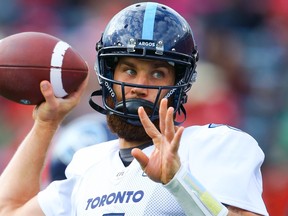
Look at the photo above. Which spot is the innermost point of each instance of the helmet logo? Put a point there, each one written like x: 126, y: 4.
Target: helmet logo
x: 146, y: 43
x: 110, y: 90
x: 159, y: 46
x: 171, y: 92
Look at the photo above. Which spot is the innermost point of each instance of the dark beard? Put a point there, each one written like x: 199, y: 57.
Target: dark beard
x: 128, y: 131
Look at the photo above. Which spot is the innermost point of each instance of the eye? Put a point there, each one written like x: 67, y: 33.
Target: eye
x: 130, y: 72
x: 158, y: 74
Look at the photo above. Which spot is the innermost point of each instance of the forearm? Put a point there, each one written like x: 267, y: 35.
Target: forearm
x: 20, y: 181
x: 195, y: 199
x: 234, y: 211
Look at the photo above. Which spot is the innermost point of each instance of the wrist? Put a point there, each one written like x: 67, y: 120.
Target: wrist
x: 46, y: 125
x: 168, y: 179
x: 193, y: 196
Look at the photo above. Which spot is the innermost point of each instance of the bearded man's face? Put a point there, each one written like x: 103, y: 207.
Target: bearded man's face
x: 142, y: 72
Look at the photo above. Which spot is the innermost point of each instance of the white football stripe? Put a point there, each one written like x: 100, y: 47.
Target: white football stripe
x: 56, y: 68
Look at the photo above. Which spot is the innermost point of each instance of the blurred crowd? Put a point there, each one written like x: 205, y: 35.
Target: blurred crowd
x: 242, y: 74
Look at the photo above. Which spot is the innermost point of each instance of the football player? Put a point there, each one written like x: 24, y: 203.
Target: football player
x: 146, y: 64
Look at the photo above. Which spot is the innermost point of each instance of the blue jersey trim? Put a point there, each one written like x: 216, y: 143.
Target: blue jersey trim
x: 148, y: 22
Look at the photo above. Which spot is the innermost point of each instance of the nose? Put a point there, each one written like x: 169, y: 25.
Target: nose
x: 138, y: 90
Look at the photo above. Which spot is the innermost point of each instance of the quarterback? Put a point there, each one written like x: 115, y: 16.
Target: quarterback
x: 145, y: 65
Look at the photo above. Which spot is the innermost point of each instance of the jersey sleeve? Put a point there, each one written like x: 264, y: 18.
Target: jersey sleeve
x: 227, y: 162
x: 55, y: 200
x: 58, y: 198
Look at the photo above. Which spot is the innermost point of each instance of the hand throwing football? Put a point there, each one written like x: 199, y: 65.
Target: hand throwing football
x: 28, y: 58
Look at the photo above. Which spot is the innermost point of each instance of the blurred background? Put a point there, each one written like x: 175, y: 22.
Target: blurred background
x: 242, y: 73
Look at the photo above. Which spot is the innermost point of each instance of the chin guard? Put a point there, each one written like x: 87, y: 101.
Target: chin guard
x: 131, y: 106
x: 128, y: 109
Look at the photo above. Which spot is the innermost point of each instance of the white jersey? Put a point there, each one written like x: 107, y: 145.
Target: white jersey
x: 225, y: 160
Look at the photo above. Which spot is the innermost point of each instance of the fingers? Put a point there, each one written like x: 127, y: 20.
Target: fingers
x: 171, y: 132
x: 166, y: 119
x: 44, y: 111
x: 162, y: 113
x: 149, y: 127
x: 47, y: 92
x: 81, y: 89
x: 72, y: 99
x: 140, y: 157
x: 55, y: 109
x: 169, y: 124
x: 176, y: 139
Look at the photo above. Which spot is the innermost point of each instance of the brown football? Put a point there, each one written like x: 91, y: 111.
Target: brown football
x: 27, y: 58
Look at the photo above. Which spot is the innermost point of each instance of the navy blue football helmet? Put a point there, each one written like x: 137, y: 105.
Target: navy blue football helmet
x: 152, y: 31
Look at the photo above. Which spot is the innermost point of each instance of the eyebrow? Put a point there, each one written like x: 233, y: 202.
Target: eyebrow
x: 156, y: 64
x: 131, y: 64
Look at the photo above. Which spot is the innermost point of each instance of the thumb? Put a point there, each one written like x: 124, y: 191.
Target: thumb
x: 47, y: 91
x: 140, y: 157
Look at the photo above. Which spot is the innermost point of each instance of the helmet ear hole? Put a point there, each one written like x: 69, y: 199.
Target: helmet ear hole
x: 110, y: 63
x: 179, y: 72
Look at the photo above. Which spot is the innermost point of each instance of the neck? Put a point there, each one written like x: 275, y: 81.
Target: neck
x: 127, y: 144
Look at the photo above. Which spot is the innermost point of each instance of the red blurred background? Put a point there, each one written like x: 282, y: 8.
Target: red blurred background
x: 242, y: 73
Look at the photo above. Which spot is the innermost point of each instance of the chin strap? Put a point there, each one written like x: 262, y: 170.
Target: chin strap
x: 96, y: 106
x: 181, y: 108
